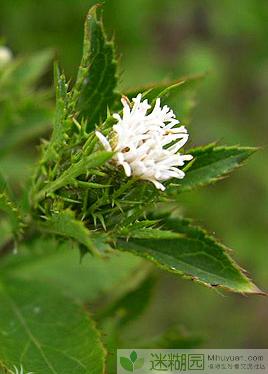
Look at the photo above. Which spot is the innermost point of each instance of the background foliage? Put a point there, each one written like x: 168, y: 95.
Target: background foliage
x: 168, y: 39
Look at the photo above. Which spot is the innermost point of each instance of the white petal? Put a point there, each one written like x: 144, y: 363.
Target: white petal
x: 103, y: 141
x: 117, y: 116
x: 158, y: 185
x: 127, y: 169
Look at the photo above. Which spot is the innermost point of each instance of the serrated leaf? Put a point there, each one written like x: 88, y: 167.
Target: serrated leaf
x: 126, y: 364
x: 28, y: 312
x: 210, y: 164
x: 64, y: 224
x: 97, y: 76
x: 197, y: 256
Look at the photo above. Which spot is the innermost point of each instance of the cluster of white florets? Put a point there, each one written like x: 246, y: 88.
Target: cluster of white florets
x: 147, y: 143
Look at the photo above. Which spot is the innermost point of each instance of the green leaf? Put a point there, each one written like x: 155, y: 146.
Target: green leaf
x: 126, y: 364
x: 60, y: 123
x: 132, y: 305
x: 97, y: 76
x: 139, y: 231
x: 45, y: 331
x: 31, y: 121
x: 25, y: 72
x: 25, y: 110
x: 133, y: 356
x: 196, y: 256
x: 51, y: 262
x: 17, y: 167
x: 117, y: 316
x: 64, y: 224
x: 32, y: 68
x: 3, y: 184
x: 210, y: 164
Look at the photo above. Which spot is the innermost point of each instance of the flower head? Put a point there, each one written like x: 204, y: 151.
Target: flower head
x: 147, y: 143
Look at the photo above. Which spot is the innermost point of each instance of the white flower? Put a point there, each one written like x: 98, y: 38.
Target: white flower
x: 147, y: 143
x: 5, y: 55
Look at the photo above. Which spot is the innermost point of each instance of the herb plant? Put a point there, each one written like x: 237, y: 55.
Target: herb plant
x: 107, y: 183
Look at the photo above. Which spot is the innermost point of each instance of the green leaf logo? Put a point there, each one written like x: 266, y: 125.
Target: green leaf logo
x: 133, y: 363
x: 126, y: 364
x: 139, y: 363
x: 133, y: 356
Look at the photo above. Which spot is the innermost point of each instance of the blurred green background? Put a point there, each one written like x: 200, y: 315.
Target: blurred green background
x: 157, y: 40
